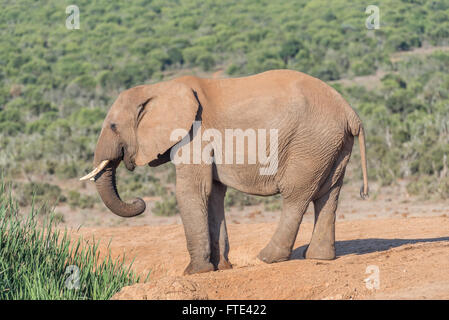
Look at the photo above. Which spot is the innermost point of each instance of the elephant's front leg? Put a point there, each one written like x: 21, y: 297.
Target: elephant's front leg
x: 193, y: 187
x: 219, y: 243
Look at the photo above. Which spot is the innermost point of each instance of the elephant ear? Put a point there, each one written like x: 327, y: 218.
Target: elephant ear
x: 173, y: 106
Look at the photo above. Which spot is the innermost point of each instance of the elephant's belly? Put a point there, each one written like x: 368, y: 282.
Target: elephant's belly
x: 246, y: 178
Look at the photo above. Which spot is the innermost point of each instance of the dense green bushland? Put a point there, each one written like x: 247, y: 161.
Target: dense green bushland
x: 57, y: 84
x: 39, y: 261
x: 408, y: 124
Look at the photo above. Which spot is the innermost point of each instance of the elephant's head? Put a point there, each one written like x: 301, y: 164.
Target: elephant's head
x: 137, y: 130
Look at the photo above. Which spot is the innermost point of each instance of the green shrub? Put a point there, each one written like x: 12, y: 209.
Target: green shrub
x: 67, y: 170
x: 328, y: 71
x: 40, y: 262
x: 42, y: 193
x: 166, y: 206
x: 77, y: 200
x: 10, y: 128
x: 363, y: 68
x: 191, y: 54
x: 233, y: 69
x: 40, y: 107
x: 240, y: 199
x: 206, y: 61
x: 290, y: 48
x: 429, y: 187
x: 273, y: 203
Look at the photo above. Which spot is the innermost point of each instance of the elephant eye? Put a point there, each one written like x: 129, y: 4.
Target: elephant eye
x: 114, y: 127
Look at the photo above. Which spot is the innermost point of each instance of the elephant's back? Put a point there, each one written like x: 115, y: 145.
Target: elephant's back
x: 257, y: 101
x: 288, y: 100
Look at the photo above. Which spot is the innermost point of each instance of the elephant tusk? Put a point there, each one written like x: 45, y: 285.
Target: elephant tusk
x: 94, y: 172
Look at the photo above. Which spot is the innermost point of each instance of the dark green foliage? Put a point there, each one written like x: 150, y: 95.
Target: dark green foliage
x: 290, y: 48
x: 407, y: 124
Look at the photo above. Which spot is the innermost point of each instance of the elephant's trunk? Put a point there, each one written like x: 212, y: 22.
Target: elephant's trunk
x: 107, y: 188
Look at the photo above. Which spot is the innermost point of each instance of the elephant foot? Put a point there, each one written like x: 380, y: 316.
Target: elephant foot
x: 320, y: 252
x: 272, y: 253
x: 198, y: 268
x: 224, y: 265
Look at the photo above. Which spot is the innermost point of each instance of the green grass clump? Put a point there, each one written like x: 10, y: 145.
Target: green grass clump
x: 38, y: 261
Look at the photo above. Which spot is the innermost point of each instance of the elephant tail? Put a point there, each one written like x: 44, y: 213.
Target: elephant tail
x: 356, y: 128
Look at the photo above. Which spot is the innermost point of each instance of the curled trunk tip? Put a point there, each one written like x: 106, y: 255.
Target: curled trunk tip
x: 107, y: 188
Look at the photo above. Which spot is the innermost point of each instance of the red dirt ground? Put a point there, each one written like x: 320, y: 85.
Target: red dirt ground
x: 411, y: 254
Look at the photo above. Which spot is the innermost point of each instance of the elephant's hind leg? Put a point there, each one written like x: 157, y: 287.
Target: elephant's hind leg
x: 219, y: 244
x: 280, y: 246
x: 322, y: 244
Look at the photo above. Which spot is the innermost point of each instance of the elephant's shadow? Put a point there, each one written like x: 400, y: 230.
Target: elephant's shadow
x: 364, y: 246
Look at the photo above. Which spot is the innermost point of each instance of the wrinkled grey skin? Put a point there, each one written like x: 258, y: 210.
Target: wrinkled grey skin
x: 316, y: 129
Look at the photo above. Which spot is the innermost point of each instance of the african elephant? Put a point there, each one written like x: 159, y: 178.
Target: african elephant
x: 315, y: 129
